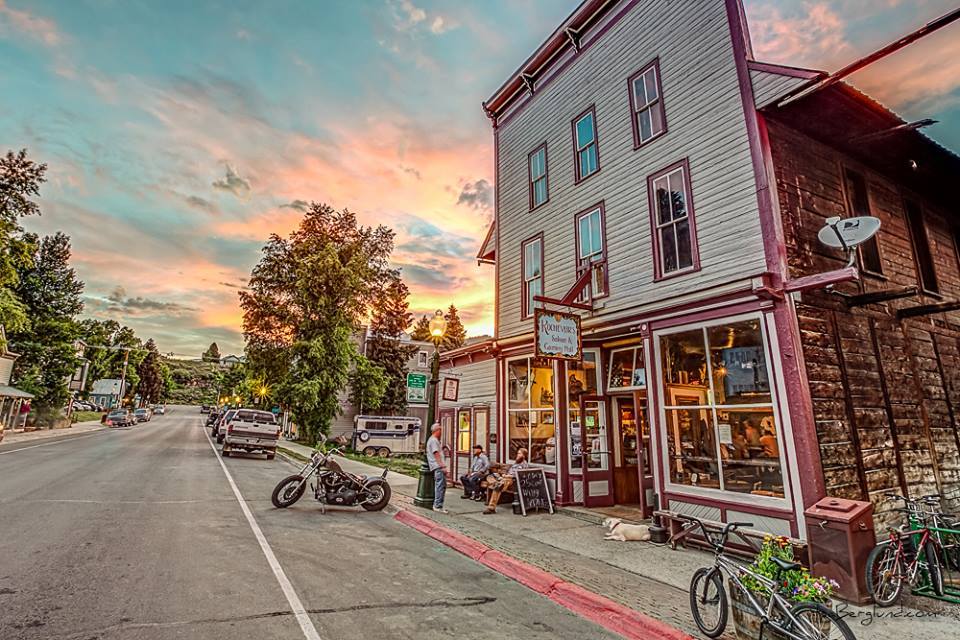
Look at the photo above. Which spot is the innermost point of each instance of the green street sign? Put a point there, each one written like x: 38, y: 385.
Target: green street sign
x: 416, y: 387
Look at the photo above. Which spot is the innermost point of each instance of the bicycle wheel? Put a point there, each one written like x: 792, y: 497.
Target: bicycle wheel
x: 884, y: 578
x: 817, y: 622
x: 933, y: 567
x: 708, y: 602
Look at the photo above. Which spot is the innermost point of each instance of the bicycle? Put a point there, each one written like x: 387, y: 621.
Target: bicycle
x: 911, y: 552
x: 708, y: 597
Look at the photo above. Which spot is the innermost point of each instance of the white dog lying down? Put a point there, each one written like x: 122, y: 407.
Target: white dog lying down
x: 622, y: 532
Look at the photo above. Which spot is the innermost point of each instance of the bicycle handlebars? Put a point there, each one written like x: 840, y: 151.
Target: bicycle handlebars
x: 717, y: 538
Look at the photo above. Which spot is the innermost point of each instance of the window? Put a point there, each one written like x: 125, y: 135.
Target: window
x: 592, y: 249
x: 627, y: 369
x: 921, y: 247
x: 858, y: 204
x: 674, y: 229
x: 646, y: 104
x: 587, y: 156
x: 530, y: 409
x: 463, y: 432
x: 532, y: 258
x: 422, y: 359
x: 537, y: 172
x: 721, y: 431
x: 588, y: 433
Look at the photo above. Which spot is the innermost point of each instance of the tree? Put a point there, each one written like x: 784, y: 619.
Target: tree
x: 304, y: 305
x: 110, y: 345
x: 20, y: 180
x: 455, y: 335
x: 50, y: 292
x: 389, y: 318
x: 212, y: 354
x: 421, y: 330
x: 150, y: 374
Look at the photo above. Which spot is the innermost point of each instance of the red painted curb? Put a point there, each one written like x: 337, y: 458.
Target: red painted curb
x: 610, y: 615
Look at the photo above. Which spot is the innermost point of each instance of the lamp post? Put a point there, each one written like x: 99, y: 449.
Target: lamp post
x: 425, y: 486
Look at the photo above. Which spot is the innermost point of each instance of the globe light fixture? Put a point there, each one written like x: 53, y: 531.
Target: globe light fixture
x: 438, y: 326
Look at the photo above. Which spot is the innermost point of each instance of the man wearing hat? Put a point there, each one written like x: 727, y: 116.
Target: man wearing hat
x: 439, y: 467
x: 471, y: 481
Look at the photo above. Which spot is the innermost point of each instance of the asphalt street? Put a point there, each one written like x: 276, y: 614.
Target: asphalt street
x: 139, y: 533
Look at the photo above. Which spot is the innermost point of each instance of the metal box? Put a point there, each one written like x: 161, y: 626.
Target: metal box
x: 840, y: 536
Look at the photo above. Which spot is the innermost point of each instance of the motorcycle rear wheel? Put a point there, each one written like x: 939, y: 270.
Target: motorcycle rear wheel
x: 288, y: 491
x: 375, y: 502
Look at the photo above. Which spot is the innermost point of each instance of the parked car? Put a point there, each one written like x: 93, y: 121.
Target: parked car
x: 218, y: 430
x: 213, y: 417
x: 142, y: 415
x: 83, y: 405
x: 251, y: 430
x: 205, y: 408
x: 160, y: 409
x: 120, y: 418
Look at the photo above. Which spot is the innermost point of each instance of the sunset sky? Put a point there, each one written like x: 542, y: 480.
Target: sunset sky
x: 180, y: 134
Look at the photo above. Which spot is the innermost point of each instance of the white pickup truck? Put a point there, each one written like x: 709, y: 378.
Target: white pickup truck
x: 250, y: 430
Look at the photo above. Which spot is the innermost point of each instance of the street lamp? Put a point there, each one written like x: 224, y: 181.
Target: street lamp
x: 425, y: 486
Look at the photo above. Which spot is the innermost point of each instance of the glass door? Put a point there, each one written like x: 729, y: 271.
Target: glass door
x: 628, y: 450
x: 592, y: 454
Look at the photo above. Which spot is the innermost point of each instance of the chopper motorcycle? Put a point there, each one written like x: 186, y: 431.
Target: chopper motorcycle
x: 333, y: 485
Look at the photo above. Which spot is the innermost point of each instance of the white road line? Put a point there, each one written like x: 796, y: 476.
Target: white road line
x: 306, y: 624
x: 47, y: 444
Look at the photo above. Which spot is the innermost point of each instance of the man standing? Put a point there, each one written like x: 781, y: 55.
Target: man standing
x: 471, y: 481
x: 439, y: 467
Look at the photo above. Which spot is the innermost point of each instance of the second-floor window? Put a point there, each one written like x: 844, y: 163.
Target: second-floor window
x: 592, y: 249
x: 926, y: 272
x: 532, y: 259
x: 422, y: 359
x: 674, y: 230
x: 537, y: 167
x: 587, y: 159
x: 646, y: 104
x: 858, y: 204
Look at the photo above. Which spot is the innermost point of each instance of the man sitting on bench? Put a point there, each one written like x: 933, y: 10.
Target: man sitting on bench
x: 505, y: 483
x: 471, y: 481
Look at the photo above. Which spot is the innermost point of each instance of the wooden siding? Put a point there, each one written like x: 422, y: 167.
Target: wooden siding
x: 705, y: 123
x: 886, y: 392
x: 478, y: 385
x: 768, y: 86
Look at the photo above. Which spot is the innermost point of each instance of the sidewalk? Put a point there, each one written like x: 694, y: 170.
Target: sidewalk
x: 42, y: 434
x: 642, y: 576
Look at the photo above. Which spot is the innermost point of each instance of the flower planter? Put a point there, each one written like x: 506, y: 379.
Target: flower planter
x: 747, y: 623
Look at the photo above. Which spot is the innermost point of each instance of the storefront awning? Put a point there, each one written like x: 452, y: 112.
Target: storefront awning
x: 6, y: 391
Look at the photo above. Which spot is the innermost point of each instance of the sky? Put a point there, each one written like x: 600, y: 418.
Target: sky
x: 180, y: 134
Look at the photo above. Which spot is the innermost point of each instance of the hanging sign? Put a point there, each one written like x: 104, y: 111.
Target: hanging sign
x: 451, y: 389
x: 416, y: 387
x: 557, y: 335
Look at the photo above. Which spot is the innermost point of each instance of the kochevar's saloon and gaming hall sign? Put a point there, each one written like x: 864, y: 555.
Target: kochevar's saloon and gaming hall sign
x: 557, y: 335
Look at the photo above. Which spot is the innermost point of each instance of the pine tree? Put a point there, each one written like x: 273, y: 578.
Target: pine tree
x: 390, y: 316
x: 421, y: 330
x: 455, y: 335
x: 212, y: 354
x: 151, y: 382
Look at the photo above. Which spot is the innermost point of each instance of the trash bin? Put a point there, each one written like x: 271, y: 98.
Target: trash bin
x: 840, y: 536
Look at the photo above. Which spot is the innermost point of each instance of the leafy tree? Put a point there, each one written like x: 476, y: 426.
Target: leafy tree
x: 20, y: 180
x: 110, y: 344
x: 421, y: 330
x: 455, y: 335
x: 212, y: 354
x: 305, y: 302
x: 389, y: 318
x: 150, y: 374
x: 50, y: 292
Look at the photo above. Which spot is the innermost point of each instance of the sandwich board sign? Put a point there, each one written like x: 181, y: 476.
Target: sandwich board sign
x: 416, y: 387
x: 557, y: 335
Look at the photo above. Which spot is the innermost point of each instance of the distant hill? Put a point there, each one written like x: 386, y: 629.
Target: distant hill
x: 194, y: 381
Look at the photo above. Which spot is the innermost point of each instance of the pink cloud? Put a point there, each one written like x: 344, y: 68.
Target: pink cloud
x: 42, y: 29
x: 814, y: 37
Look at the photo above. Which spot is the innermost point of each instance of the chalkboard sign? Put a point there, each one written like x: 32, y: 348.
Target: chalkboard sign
x: 533, y: 491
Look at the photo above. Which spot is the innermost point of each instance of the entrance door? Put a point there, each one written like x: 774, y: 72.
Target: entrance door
x: 646, y: 455
x: 481, y: 431
x: 628, y: 447
x: 447, y: 439
x: 591, y: 452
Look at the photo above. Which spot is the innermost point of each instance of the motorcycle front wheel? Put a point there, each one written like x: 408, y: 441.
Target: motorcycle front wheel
x: 288, y: 491
x: 378, y: 495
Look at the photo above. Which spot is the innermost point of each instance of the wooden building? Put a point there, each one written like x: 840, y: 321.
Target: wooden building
x: 651, y: 178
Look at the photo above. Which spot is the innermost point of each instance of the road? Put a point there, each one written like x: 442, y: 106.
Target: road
x: 139, y: 534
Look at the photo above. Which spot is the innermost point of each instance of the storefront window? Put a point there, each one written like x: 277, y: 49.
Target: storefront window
x: 530, y: 411
x: 588, y: 432
x: 626, y: 369
x: 463, y: 432
x: 719, y: 418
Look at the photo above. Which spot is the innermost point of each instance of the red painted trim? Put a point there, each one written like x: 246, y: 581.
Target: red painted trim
x: 723, y: 503
x: 821, y: 280
x: 592, y: 109
x: 496, y: 225
x: 654, y: 64
x: 708, y: 314
x: 546, y: 176
x: 603, y: 234
x: 786, y: 70
x: 691, y: 217
x: 526, y: 313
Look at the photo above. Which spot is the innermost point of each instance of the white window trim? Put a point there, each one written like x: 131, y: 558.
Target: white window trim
x: 633, y: 348
x: 783, y: 503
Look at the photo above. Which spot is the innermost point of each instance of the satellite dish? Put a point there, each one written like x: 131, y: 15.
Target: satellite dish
x: 848, y: 233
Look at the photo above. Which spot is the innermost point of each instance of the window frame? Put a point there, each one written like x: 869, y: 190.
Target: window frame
x: 530, y: 410
x: 527, y: 313
x: 909, y: 201
x: 592, y: 110
x: 601, y: 207
x: 850, y: 213
x: 658, y: 273
x: 658, y: 104
x: 546, y: 177
x: 467, y: 411
x: 635, y: 348
x: 423, y: 359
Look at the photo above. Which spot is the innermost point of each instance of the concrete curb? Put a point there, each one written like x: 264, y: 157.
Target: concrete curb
x: 610, y: 615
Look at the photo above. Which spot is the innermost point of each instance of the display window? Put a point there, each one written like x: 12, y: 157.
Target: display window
x: 587, y: 426
x: 531, y: 409
x: 718, y: 413
x: 626, y: 370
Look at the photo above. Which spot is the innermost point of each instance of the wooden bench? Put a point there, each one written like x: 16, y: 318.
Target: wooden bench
x: 742, y: 542
x: 506, y: 497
